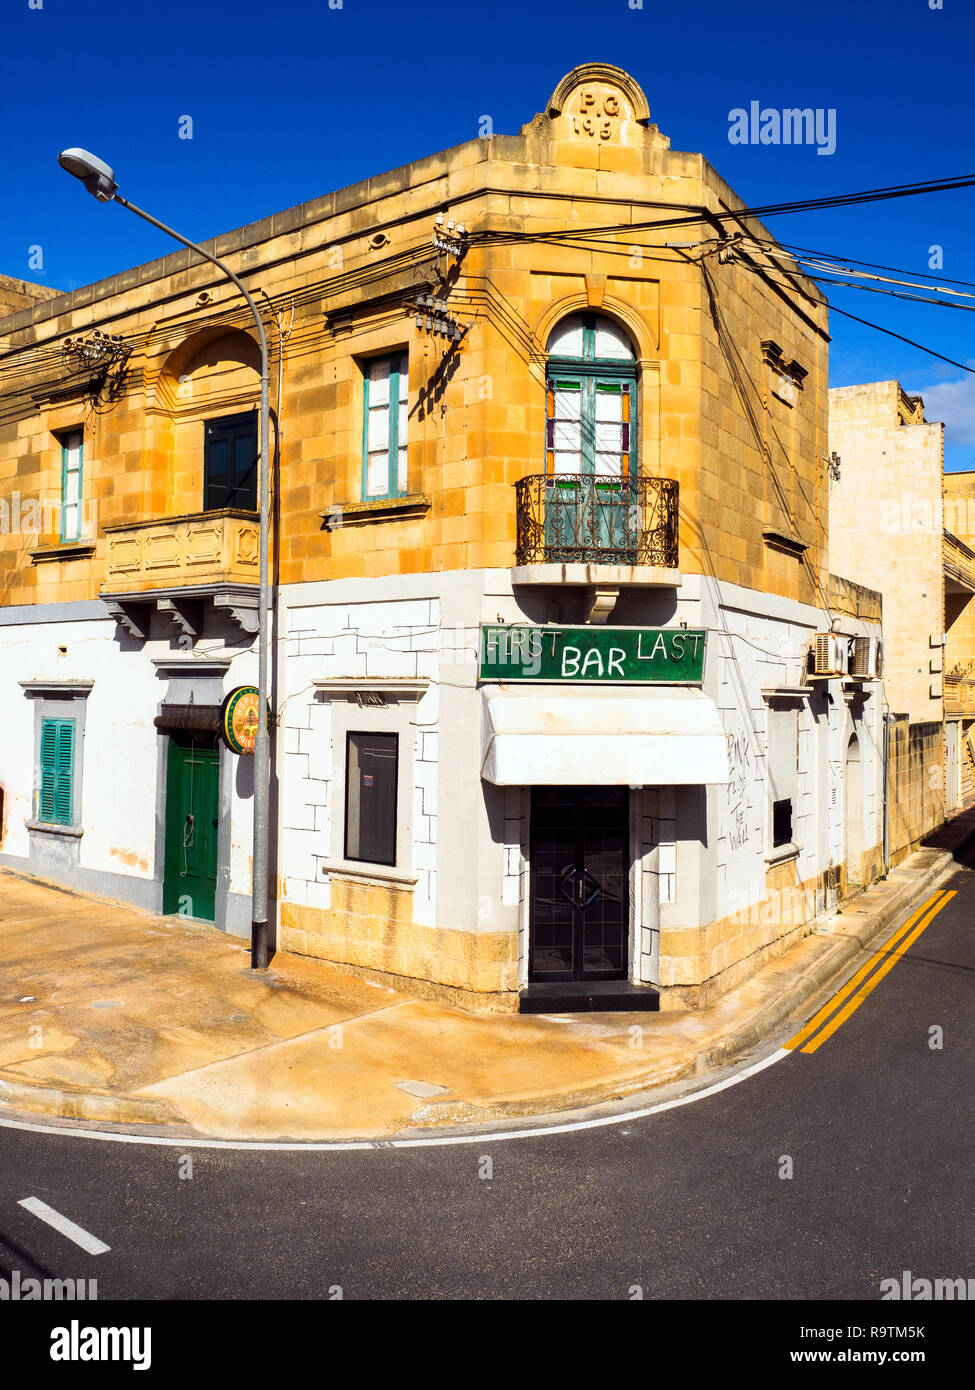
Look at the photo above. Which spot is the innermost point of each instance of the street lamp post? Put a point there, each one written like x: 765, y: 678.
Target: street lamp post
x: 99, y: 179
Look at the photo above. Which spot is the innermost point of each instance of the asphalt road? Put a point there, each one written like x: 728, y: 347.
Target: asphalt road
x: 690, y: 1203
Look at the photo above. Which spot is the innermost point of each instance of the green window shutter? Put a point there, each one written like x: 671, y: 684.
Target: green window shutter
x: 72, y: 449
x: 63, y: 798
x: 57, y: 772
x: 49, y: 742
x: 603, y: 434
x: 400, y: 408
x: 385, y: 411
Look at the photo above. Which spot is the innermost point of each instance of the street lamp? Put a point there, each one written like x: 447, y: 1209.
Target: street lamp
x: 99, y: 179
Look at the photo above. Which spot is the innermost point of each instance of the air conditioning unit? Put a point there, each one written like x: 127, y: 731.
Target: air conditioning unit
x: 831, y: 655
x: 868, y: 659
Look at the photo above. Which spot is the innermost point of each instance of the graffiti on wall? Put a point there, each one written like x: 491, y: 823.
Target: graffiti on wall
x: 740, y: 764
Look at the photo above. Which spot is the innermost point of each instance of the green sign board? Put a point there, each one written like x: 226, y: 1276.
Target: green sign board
x: 614, y: 655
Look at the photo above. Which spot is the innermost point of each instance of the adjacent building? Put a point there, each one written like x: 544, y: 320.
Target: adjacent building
x: 551, y: 571
x: 21, y: 294
x: 889, y: 528
x: 959, y: 660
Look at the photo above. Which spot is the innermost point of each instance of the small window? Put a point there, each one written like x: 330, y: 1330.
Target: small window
x: 72, y: 449
x: 781, y: 823
x: 230, y: 463
x: 782, y: 771
x: 384, y: 427
x: 371, y: 770
x: 57, y: 772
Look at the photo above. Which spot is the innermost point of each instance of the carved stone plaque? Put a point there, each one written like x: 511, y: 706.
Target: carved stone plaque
x: 595, y: 110
x: 602, y: 104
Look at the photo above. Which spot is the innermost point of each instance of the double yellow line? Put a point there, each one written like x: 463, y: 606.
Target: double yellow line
x: 826, y: 1022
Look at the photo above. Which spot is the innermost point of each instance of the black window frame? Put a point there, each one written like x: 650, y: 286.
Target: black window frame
x: 371, y: 734
x: 782, y: 822
x: 228, y: 428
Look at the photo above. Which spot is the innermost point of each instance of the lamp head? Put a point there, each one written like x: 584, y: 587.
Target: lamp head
x: 93, y: 172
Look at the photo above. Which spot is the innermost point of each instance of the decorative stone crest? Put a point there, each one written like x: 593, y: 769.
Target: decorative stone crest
x: 602, y: 104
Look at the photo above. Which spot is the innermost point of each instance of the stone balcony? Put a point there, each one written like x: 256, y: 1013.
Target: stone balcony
x: 959, y: 687
x: 959, y: 562
x: 202, y: 548
x: 182, y: 567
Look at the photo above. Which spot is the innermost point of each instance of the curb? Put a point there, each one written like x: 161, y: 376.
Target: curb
x: 823, y: 975
x: 98, y: 1106
x: 820, y: 976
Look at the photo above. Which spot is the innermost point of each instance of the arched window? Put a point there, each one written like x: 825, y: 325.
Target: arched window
x: 591, y: 442
x: 208, y: 422
x: 591, y: 399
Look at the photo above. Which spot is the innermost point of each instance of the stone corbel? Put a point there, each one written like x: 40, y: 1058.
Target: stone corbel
x: 185, y: 615
x: 773, y: 357
x: 601, y: 601
x: 134, y: 619
x: 240, y: 608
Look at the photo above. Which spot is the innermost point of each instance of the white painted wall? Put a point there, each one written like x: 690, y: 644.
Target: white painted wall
x: 121, y: 743
x: 118, y: 790
x: 470, y: 861
x: 375, y: 637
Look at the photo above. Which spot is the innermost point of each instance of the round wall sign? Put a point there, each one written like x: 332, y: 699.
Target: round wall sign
x: 238, y: 719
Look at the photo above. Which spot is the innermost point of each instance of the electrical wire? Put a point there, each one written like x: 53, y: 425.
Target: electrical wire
x: 835, y: 308
x: 893, y: 294
x: 911, y: 342
x: 576, y: 236
x: 810, y: 264
x: 768, y: 210
x: 854, y: 260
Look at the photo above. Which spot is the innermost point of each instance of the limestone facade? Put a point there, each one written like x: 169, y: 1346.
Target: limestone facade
x: 892, y: 518
x: 587, y: 217
x: 959, y: 657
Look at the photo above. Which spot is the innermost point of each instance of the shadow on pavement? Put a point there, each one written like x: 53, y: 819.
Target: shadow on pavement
x: 956, y: 837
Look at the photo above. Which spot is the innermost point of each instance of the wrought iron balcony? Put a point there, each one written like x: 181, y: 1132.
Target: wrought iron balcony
x: 596, y: 519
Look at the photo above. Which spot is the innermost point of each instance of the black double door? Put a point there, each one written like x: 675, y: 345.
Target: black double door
x: 579, y: 913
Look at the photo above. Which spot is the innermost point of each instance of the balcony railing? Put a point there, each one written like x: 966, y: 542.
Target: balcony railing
x: 596, y: 519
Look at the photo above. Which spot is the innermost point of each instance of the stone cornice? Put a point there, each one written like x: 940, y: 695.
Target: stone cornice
x: 37, y: 689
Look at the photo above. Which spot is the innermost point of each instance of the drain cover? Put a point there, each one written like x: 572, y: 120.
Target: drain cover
x: 421, y: 1089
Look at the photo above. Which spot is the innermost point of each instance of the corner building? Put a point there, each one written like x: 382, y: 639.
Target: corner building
x: 550, y: 561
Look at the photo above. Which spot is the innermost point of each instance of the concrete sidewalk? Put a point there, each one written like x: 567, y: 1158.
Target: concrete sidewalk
x: 113, y: 1016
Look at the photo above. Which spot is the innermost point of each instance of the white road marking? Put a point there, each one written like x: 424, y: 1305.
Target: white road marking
x: 78, y: 1234
x: 438, y: 1141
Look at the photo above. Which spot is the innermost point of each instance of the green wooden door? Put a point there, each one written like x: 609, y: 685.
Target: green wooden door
x: 192, y: 814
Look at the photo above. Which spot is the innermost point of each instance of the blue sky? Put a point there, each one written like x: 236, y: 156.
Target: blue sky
x: 292, y: 99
